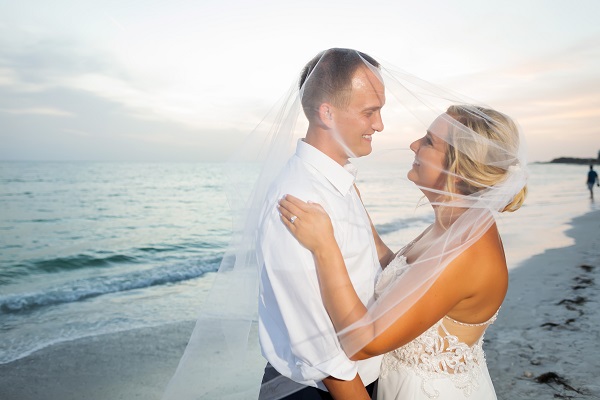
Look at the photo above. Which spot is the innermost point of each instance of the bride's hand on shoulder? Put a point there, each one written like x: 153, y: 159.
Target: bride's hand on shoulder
x: 308, y: 222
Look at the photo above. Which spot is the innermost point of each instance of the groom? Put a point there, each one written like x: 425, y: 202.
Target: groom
x: 342, y: 99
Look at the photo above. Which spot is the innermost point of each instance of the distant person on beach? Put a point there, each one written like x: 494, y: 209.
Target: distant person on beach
x: 436, y: 296
x: 342, y: 98
x: 592, y: 178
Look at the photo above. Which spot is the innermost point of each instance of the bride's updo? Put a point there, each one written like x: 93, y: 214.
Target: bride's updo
x: 479, y: 164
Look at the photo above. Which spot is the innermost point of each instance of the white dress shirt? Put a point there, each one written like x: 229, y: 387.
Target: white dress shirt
x: 296, y: 335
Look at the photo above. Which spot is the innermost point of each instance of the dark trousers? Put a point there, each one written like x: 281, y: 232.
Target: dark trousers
x: 281, y: 384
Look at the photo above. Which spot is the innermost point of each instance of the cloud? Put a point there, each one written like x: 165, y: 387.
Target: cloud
x: 59, y: 100
x: 554, y: 96
x: 50, y: 111
x: 188, y: 95
x: 186, y: 76
x: 99, y: 129
x: 108, y: 120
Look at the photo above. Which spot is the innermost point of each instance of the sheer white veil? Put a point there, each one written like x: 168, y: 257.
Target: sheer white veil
x: 485, y: 173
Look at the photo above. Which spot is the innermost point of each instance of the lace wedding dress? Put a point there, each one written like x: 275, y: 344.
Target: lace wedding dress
x: 446, y: 362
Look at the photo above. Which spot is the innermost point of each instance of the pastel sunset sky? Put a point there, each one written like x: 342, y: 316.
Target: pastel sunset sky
x: 186, y: 80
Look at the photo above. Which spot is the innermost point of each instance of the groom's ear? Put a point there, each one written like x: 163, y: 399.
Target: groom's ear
x: 325, y: 115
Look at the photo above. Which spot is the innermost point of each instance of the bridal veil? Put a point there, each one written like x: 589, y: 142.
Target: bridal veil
x: 222, y: 359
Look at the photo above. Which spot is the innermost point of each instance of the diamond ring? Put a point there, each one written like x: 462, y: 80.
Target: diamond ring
x: 293, y: 219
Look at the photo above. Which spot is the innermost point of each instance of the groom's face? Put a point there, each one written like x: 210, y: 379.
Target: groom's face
x: 355, y: 124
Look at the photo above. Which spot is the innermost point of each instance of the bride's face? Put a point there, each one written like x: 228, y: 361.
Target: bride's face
x: 430, y: 156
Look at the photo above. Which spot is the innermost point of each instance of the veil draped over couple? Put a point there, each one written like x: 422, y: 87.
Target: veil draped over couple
x: 309, y: 302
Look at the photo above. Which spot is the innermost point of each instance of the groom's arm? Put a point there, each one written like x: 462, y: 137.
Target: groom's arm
x: 384, y: 253
x: 291, y: 300
x: 342, y: 390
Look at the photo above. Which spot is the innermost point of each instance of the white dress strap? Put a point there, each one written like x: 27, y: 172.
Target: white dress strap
x: 488, y: 322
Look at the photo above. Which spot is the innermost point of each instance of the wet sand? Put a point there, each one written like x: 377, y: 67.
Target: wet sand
x: 544, y: 344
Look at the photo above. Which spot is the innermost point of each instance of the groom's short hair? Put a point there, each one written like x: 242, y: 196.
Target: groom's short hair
x: 328, y: 78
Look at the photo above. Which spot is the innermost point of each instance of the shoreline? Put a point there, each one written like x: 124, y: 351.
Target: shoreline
x: 133, y: 364
x: 544, y: 343
x: 547, y: 328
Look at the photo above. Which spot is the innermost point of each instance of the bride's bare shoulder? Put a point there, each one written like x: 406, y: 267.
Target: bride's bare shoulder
x: 488, y: 247
x: 484, y: 261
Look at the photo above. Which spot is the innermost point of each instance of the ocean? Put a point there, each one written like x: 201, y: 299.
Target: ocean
x: 88, y: 248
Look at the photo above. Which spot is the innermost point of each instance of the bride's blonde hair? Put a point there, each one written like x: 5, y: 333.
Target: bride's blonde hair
x: 466, y: 173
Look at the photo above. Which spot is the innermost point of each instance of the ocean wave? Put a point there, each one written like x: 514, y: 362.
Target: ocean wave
x: 162, y: 249
x: 96, y: 286
x: 62, y: 264
x: 403, y: 223
x: 79, y: 261
x: 97, y: 259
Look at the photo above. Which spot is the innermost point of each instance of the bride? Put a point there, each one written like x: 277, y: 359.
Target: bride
x: 437, y: 296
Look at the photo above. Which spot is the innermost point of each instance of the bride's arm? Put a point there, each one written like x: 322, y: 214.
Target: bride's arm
x: 312, y: 227
x: 314, y: 230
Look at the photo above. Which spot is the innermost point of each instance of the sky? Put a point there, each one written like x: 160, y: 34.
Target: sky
x: 187, y: 80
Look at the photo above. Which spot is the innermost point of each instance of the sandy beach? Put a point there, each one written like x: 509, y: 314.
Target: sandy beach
x: 543, y: 346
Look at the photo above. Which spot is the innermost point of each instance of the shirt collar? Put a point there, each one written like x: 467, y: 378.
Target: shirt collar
x: 342, y: 178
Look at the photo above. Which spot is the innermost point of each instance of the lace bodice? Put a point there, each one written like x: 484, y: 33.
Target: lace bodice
x: 436, y: 353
